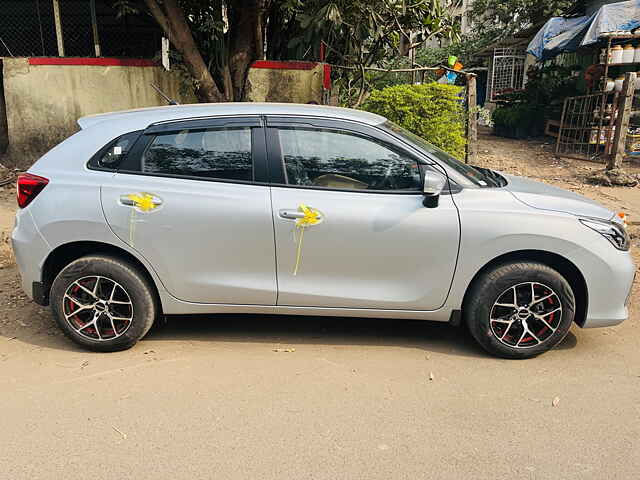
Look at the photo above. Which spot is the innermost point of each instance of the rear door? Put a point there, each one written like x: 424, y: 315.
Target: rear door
x: 191, y: 197
x: 351, y: 228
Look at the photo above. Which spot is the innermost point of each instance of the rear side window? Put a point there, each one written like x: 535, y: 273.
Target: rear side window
x: 112, y: 155
x: 223, y: 153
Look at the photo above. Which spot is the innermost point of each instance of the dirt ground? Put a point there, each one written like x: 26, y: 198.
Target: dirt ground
x: 355, y: 398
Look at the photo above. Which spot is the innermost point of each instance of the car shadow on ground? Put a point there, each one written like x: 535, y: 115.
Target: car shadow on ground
x: 283, y: 330
x: 288, y: 331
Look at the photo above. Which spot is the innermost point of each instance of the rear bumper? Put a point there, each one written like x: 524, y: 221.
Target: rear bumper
x: 30, y: 250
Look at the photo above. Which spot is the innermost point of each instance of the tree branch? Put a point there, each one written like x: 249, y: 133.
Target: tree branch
x: 159, y: 16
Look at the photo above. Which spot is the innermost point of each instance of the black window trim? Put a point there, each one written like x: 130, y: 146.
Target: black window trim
x: 131, y: 163
x: 274, y: 151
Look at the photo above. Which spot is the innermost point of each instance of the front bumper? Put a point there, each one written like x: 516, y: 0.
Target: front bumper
x: 609, y: 283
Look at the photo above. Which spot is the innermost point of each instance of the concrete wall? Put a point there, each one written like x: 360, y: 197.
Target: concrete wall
x: 286, y: 84
x: 43, y: 102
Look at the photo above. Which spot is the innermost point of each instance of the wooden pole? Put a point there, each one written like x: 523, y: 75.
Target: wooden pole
x: 94, y: 27
x: 4, y: 127
x: 622, y: 122
x: 472, y: 121
x: 58, y: 23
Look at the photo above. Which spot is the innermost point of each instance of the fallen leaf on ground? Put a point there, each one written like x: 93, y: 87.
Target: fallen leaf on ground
x: 555, y: 402
x: 431, y: 376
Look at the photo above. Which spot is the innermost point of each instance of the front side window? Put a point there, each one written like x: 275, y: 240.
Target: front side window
x: 342, y: 160
x: 465, y: 174
x: 221, y: 153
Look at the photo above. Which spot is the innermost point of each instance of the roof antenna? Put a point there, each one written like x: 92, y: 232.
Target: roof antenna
x: 160, y: 92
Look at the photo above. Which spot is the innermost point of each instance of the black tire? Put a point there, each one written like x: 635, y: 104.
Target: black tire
x: 137, y: 291
x: 498, y: 283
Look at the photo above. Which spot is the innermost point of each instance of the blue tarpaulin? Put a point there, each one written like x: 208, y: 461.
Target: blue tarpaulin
x: 554, y: 27
x: 561, y: 35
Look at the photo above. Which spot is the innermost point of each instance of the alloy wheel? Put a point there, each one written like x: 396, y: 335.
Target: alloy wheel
x: 98, y: 308
x: 526, y: 315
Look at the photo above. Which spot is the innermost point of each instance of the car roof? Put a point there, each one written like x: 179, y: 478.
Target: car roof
x: 143, y: 117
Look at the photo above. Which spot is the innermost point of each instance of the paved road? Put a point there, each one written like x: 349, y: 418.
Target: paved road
x: 210, y: 398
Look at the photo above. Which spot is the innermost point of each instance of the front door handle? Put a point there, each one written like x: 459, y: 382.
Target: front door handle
x: 291, y: 214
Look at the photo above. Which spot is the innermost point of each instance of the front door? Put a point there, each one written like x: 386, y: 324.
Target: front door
x: 351, y: 229
x: 190, y: 202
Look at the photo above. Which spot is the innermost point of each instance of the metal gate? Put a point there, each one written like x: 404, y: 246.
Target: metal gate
x: 587, y: 127
x: 507, y: 72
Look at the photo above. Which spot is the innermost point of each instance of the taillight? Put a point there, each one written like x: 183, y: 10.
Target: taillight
x: 29, y: 186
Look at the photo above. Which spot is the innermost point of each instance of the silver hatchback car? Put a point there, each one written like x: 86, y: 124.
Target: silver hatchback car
x: 305, y: 210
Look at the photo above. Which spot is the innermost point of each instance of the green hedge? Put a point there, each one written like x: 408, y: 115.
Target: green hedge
x: 432, y: 111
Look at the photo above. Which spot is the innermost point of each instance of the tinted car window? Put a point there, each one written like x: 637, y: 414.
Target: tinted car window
x: 337, y: 159
x: 223, y: 153
x: 112, y: 155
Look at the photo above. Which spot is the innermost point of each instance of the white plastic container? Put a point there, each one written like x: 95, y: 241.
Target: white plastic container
x: 628, y: 52
x: 618, y: 83
x: 609, y: 85
x: 616, y: 54
x: 636, y: 54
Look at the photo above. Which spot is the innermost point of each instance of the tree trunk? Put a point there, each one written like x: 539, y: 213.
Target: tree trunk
x: 246, y: 23
x: 171, y: 18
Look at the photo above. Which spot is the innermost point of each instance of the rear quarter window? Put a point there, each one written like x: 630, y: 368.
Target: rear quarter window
x: 111, y: 156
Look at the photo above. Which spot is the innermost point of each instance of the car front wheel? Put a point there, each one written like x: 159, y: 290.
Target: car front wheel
x: 102, y: 303
x: 519, y: 310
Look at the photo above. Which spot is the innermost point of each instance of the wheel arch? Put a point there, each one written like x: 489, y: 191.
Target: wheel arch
x: 562, y: 265
x: 64, y: 254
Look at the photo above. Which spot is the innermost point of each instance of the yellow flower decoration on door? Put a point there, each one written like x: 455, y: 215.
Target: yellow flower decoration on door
x: 311, y: 217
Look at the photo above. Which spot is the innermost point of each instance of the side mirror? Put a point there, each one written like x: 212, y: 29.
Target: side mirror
x: 434, y: 183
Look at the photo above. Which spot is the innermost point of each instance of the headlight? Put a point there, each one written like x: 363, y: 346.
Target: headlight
x: 612, y: 231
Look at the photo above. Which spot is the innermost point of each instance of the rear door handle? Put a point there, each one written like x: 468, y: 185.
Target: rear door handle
x: 128, y: 202
x: 291, y: 214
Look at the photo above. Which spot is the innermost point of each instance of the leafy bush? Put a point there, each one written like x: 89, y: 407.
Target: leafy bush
x: 432, y: 111
x: 518, y: 121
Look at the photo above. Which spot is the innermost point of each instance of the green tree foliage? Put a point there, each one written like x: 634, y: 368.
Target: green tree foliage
x: 228, y: 35
x: 432, y: 111
x: 501, y: 18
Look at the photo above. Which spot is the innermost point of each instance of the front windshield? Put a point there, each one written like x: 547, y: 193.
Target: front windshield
x: 472, y: 175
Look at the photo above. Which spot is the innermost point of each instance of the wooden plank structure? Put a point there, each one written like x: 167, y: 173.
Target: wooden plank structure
x: 625, y: 100
x: 472, y: 121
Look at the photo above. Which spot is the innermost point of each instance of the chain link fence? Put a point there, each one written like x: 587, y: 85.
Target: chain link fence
x: 28, y: 29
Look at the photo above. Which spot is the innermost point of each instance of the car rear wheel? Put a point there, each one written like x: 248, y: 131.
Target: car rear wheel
x: 103, y: 303
x: 519, y: 310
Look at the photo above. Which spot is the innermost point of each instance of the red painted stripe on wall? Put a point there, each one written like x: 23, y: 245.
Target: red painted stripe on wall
x: 102, y: 62
x: 283, y: 65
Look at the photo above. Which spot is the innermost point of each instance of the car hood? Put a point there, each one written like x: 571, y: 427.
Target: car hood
x: 547, y: 197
